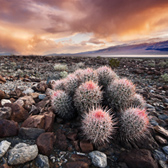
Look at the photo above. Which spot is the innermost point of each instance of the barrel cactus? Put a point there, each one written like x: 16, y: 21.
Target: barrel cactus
x: 137, y: 101
x: 62, y: 104
x: 134, y: 125
x: 87, y: 95
x: 105, y: 76
x: 87, y: 74
x: 97, y: 126
x: 119, y: 92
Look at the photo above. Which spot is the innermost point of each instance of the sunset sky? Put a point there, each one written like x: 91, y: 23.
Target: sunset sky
x: 71, y: 26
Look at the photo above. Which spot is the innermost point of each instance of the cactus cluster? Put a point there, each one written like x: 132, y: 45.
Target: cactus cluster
x: 83, y: 91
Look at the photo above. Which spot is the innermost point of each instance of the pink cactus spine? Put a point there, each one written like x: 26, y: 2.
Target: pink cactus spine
x: 119, y: 93
x: 105, y: 75
x: 87, y: 95
x: 97, y: 126
x: 134, y: 124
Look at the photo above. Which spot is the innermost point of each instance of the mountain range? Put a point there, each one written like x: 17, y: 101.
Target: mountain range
x: 152, y: 48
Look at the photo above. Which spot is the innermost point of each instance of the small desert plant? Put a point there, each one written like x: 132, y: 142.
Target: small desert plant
x: 62, y: 104
x: 80, y: 65
x: 114, y: 63
x: 163, y: 64
x: 134, y: 125
x: 63, y: 74
x: 61, y: 67
x: 87, y: 95
x: 97, y: 126
x: 151, y: 63
x: 164, y: 77
x: 105, y: 76
x: 119, y: 93
x: 86, y: 75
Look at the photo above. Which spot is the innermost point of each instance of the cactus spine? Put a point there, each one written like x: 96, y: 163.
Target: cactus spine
x: 97, y: 126
x: 87, y: 95
x: 62, y: 104
x: 87, y: 74
x: 105, y: 76
x: 119, y: 92
x: 137, y: 101
x: 133, y: 124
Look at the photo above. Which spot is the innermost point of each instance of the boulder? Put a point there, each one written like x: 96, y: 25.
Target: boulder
x: 35, y: 121
x: 86, y: 146
x: 8, y: 128
x: 22, y: 153
x: 30, y: 133
x: 42, y: 161
x: 4, y: 146
x: 45, y: 143
x: 138, y: 158
x: 19, y: 114
x: 99, y: 159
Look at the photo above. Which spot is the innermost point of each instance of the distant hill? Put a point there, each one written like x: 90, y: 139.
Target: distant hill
x: 160, y: 48
x: 152, y: 48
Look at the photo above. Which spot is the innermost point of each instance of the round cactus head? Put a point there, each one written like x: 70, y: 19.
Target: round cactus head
x: 86, y: 75
x: 58, y: 84
x: 119, y: 93
x: 87, y: 95
x: 137, y: 101
x: 134, y: 123
x: 105, y: 76
x: 97, y: 126
x: 62, y: 104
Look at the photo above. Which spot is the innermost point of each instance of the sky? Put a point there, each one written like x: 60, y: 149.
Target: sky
x: 42, y: 27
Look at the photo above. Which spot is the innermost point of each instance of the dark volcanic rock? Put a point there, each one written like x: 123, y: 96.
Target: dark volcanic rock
x: 30, y: 133
x: 138, y: 158
x: 61, y: 142
x: 49, y: 121
x: 8, y: 128
x: 86, y: 146
x: 85, y: 159
x: 35, y: 121
x: 19, y: 114
x: 77, y: 164
x: 2, y: 80
x: 45, y: 143
x: 2, y: 94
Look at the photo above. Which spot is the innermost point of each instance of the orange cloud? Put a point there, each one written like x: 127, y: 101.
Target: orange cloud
x: 31, y: 27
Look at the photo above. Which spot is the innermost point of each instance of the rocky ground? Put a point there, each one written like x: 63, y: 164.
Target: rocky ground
x: 31, y: 135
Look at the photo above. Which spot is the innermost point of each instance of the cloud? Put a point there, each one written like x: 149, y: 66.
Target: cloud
x: 29, y: 26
